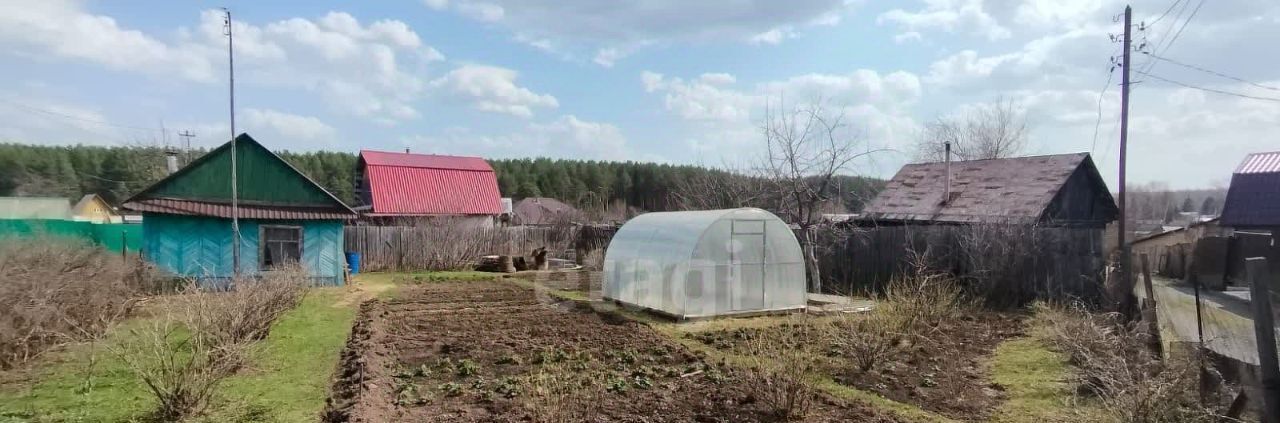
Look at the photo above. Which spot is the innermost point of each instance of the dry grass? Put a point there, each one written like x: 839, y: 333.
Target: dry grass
x: 1118, y: 370
x: 558, y: 394
x: 781, y: 371
x: 923, y: 300
x: 200, y: 338
x: 60, y: 290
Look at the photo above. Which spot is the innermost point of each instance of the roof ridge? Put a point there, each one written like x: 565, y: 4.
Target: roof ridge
x: 1003, y: 158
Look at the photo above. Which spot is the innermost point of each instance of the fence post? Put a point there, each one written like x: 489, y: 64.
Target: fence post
x: 1265, y: 333
x: 124, y: 246
x: 1149, y: 311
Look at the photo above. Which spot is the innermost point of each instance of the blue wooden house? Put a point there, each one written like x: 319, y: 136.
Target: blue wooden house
x: 284, y: 217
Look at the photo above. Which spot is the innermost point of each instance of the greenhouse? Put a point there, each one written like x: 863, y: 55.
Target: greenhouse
x: 696, y: 264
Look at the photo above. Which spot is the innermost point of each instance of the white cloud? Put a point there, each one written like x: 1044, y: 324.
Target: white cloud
x: 492, y: 89
x: 60, y: 28
x: 367, y: 70
x: 907, y: 37
x: 436, y: 4
x: 725, y: 117
x: 587, y: 28
x: 608, y: 56
x: 565, y: 137
x: 948, y: 15
x: 287, y: 125
x: 773, y: 36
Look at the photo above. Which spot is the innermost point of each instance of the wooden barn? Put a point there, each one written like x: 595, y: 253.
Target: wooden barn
x: 979, y: 219
x: 284, y: 217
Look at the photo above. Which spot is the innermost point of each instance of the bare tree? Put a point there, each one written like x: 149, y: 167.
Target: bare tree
x: 723, y: 188
x: 987, y: 131
x: 807, y: 146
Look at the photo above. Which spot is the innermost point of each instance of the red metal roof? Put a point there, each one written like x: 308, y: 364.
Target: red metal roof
x: 425, y: 161
x: 1260, y: 163
x: 247, y: 211
x: 403, y: 184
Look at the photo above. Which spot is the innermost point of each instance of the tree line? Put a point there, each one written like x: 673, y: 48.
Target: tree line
x: 116, y: 172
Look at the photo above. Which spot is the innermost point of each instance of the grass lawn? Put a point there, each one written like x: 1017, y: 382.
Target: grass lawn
x: 287, y: 382
x: 290, y: 380
x: 1036, y: 380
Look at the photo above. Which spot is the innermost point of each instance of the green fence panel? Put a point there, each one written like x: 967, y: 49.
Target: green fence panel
x: 112, y: 236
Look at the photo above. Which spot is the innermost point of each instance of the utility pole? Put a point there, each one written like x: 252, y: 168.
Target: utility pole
x: 1125, y: 269
x: 187, y: 135
x: 235, y: 200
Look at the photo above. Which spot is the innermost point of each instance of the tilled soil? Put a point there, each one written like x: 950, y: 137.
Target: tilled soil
x: 472, y: 351
x: 945, y: 370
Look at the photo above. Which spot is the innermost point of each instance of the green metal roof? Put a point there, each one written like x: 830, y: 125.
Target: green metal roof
x: 263, y: 179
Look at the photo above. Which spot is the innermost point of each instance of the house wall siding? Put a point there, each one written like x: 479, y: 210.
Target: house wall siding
x: 200, y: 247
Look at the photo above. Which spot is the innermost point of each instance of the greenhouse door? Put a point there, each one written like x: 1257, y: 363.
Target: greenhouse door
x: 747, y: 258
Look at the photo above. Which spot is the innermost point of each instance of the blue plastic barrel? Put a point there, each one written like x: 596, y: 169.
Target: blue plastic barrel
x: 353, y: 262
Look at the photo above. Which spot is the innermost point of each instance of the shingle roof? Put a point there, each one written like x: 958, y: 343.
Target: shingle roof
x: 1254, y: 197
x: 1011, y: 189
x: 541, y: 210
x: 403, y: 184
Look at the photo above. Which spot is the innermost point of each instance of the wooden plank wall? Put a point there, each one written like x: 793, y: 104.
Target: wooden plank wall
x: 415, y: 248
x: 1008, y: 266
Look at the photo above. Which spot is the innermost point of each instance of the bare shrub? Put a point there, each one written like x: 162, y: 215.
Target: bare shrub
x: 781, y: 371
x: 1115, y: 366
x: 923, y: 299
x: 182, y: 368
x: 246, y: 311
x: 56, y: 290
x: 455, y: 244
x: 867, y: 339
x: 199, y: 338
x: 558, y: 394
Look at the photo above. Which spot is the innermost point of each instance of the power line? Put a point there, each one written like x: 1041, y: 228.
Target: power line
x: 1212, y: 90
x: 1212, y: 72
x: 1110, y: 75
x: 1184, y: 26
x: 1151, y: 63
x: 74, y: 117
x: 1166, y: 13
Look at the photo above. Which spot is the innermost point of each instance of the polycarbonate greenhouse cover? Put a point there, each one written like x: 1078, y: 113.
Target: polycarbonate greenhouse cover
x: 706, y: 263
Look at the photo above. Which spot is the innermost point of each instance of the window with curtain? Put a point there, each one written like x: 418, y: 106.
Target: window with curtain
x: 279, y: 245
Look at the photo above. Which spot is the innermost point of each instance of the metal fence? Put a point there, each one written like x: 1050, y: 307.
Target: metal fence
x: 112, y: 236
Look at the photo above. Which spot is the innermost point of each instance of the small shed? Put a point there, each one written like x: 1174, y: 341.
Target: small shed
x: 1253, y: 200
x: 695, y: 264
x: 393, y: 188
x: 284, y: 217
x: 1057, y: 190
x: 1027, y: 227
x: 94, y: 209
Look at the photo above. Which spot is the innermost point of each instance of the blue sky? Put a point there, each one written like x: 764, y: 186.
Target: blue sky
x: 651, y: 80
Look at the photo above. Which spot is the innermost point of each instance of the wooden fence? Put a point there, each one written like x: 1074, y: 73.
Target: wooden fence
x: 1007, y: 264
x: 410, y: 248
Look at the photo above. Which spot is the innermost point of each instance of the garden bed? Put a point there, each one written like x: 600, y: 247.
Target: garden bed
x: 483, y: 351
x: 946, y: 371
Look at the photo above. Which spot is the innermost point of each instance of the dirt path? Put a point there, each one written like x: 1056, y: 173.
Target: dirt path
x: 477, y: 351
